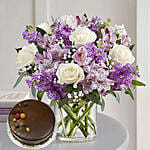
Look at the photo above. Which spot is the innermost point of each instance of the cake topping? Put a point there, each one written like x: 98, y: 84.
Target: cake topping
x: 17, y: 115
x: 19, y: 105
x: 14, y: 119
x: 16, y: 125
x: 22, y: 115
x: 25, y: 104
x: 27, y: 129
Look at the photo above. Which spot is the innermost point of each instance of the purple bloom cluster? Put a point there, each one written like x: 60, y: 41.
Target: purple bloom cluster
x: 43, y: 81
x: 122, y: 75
x: 63, y: 31
x: 30, y: 35
x: 96, y: 54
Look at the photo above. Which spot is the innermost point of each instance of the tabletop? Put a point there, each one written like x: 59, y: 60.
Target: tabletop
x: 111, y: 135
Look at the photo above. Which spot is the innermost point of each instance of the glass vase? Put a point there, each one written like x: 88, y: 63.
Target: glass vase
x: 76, y: 122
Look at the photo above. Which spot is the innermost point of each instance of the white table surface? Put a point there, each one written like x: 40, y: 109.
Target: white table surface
x: 111, y: 135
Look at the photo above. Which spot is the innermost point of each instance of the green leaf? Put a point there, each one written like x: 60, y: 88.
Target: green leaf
x: 118, y: 42
x: 115, y: 94
x: 138, y: 83
x: 85, y: 15
x: 52, y: 102
x: 94, y: 96
x: 40, y: 30
x: 129, y: 92
x: 102, y: 104
x: 18, y: 81
x: 63, y: 101
x: 52, y: 18
x: 41, y: 50
x: 131, y: 47
x: 40, y: 95
x: 69, y: 88
x: 18, y: 49
x: 33, y: 91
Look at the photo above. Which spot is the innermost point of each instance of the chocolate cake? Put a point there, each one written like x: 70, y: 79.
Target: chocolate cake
x: 31, y: 122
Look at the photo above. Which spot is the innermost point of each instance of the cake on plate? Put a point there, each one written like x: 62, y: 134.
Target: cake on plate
x: 31, y: 122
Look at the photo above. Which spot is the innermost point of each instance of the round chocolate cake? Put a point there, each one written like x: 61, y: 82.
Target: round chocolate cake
x: 31, y: 122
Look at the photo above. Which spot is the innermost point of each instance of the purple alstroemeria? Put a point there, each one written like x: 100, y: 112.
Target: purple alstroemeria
x: 80, y: 56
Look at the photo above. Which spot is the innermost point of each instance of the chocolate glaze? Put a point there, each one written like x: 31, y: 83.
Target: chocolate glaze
x: 39, y: 119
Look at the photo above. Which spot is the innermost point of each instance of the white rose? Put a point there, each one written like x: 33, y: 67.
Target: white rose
x: 70, y: 73
x: 26, y: 55
x: 121, y: 54
x: 82, y: 35
x: 45, y: 26
x: 70, y: 20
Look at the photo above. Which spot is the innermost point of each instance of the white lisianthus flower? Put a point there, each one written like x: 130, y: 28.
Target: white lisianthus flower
x: 82, y: 35
x: 121, y: 54
x: 70, y: 73
x: 70, y: 20
x: 26, y: 55
x: 45, y: 26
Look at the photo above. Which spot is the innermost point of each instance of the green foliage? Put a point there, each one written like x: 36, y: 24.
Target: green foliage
x: 40, y: 95
x: 102, y: 104
x: 118, y: 42
x: 115, y: 94
x: 62, y: 102
x: 41, y: 50
x: 131, y: 47
x: 53, y: 102
x: 33, y: 91
x: 40, y: 30
x: 94, y: 96
x: 138, y: 83
x: 18, y: 81
x: 129, y: 92
x: 69, y: 88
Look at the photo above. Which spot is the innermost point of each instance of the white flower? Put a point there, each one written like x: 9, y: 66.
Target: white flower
x: 70, y: 20
x: 120, y: 29
x: 45, y: 26
x: 82, y: 35
x: 70, y: 73
x: 121, y: 54
x: 26, y: 55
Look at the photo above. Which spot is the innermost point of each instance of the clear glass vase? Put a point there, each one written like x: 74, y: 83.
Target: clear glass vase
x: 76, y: 122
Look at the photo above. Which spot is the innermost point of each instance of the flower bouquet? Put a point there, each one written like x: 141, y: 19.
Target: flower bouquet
x: 77, y: 61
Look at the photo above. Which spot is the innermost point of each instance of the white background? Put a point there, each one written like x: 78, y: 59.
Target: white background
x: 15, y: 14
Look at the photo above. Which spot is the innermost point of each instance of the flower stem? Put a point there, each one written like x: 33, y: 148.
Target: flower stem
x: 61, y: 116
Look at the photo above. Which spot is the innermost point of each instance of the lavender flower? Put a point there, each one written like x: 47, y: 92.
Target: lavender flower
x: 122, y: 75
x: 30, y: 35
x: 43, y: 60
x: 80, y: 57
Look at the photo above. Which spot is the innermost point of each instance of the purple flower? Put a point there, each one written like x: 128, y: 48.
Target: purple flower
x: 96, y: 78
x: 96, y: 54
x: 30, y: 35
x: 63, y: 31
x: 96, y: 20
x: 80, y: 56
x: 122, y: 75
x: 43, y: 60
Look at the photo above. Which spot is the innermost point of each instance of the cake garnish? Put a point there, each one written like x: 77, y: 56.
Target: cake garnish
x: 16, y: 125
x: 17, y: 115
x: 14, y: 119
x: 27, y: 129
x: 22, y: 116
x: 25, y: 104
